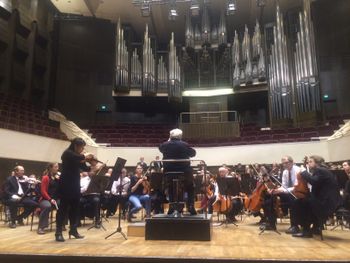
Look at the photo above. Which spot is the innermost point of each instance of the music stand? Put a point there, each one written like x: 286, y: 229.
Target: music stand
x: 97, y: 186
x: 119, y: 164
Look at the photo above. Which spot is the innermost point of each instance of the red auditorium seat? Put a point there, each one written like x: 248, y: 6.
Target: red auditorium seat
x: 279, y: 136
x: 310, y: 134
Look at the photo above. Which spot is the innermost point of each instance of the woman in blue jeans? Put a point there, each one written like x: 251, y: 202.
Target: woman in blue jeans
x: 139, y: 193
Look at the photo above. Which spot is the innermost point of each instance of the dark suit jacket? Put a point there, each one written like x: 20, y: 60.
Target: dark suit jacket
x: 325, y: 195
x: 176, y: 149
x: 69, y: 183
x: 11, y: 187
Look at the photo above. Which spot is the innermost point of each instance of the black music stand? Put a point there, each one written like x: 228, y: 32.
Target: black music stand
x: 119, y: 164
x: 232, y: 189
x: 97, y: 186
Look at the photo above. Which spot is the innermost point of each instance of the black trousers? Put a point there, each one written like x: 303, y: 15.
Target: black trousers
x: 27, y: 203
x: 116, y: 200
x: 289, y: 202
x: 68, y: 208
x: 305, y: 216
x: 90, y: 206
x: 186, y: 184
x: 269, y: 210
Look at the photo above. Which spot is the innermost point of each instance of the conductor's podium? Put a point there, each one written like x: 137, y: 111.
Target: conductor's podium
x: 164, y: 227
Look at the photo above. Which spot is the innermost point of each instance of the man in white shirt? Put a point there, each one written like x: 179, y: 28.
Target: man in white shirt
x: 90, y: 204
x: 117, y: 198
x: 289, y: 179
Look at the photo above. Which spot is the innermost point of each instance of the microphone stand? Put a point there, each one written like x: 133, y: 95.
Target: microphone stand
x: 119, y: 228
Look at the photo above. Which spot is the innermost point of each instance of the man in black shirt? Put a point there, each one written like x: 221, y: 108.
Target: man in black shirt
x: 16, y: 190
x: 346, y: 192
x: 175, y: 148
x: 139, y: 193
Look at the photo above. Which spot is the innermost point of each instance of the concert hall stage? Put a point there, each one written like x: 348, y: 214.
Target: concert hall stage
x: 229, y: 244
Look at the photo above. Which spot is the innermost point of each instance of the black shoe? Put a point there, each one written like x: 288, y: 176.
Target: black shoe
x: 40, y: 231
x: 59, y: 237
x: 75, y: 234
x: 20, y: 222
x: 12, y: 225
x: 305, y: 234
x: 170, y: 211
x: 267, y: 227
x: 192, y: 211
x: 129, y: 218
x: 98, y: 224
x: 292, y: 230
x: 316, y: 231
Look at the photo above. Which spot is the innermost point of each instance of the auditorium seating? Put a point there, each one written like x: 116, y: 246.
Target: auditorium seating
x: 20, y: 115
x: 151, y: 135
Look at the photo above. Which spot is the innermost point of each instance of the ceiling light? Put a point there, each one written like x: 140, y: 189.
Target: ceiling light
x: 260, y: 3
x: 231, y: 7
x: 173, y: 13
x: 145, y: 9
x: 194, y: 8
x: 207, y: 93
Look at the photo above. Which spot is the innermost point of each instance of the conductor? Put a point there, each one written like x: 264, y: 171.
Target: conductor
x: 175, y: 148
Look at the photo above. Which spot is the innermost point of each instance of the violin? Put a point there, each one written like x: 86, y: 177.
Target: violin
x: 146, y: 185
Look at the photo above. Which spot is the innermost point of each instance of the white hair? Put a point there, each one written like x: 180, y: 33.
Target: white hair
x: 175, y: 134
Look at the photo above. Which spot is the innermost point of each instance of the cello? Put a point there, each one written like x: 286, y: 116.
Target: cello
x: 254, y: 202
x: 301, y: 189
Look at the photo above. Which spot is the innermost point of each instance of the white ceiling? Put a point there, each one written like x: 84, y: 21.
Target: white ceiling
x: 159, y: 25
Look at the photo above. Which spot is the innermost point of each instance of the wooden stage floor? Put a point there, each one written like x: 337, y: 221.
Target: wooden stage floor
x: 229, y: 244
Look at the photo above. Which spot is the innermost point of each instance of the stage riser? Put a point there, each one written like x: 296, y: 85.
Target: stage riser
x: 163, y: 228
x: 92, y: 259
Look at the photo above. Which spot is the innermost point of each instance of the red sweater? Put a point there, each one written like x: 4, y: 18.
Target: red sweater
x: 45, y: 188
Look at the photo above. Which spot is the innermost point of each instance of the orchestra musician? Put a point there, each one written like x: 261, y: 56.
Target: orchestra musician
x: 16, y: 188
x: 49, y: 185
x: 323, y: 200
x: 233, y: 205
x: 289, y: 180
x: 90, y: 203
x: 175, y: 148
x: 143, y: 164
x: 119, y: 197
x: 139, y: 193
x: 73, y: 161
x: 346, y: 191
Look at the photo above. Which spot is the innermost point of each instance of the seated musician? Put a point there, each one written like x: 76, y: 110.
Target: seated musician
x: 289, y: 179
x: 323, y: 200
x: 139, y: 193
x: 221, y: 191
x: 90, y: 203
x: 346, y: 191
x: 117, y: 197
x: 16, y: 189
x: 49, y: 186
x: 210, y: 189
x: 269, y: 204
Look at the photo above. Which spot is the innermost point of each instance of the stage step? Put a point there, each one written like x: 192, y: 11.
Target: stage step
x: 136, y: 229
x: 163, y: 227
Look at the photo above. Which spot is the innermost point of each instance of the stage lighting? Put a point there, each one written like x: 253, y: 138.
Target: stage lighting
x: 194, y: 8
x: 260, y: 3
x: 145, y: 9
x: 173, y: 13
x: 231, y: 7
